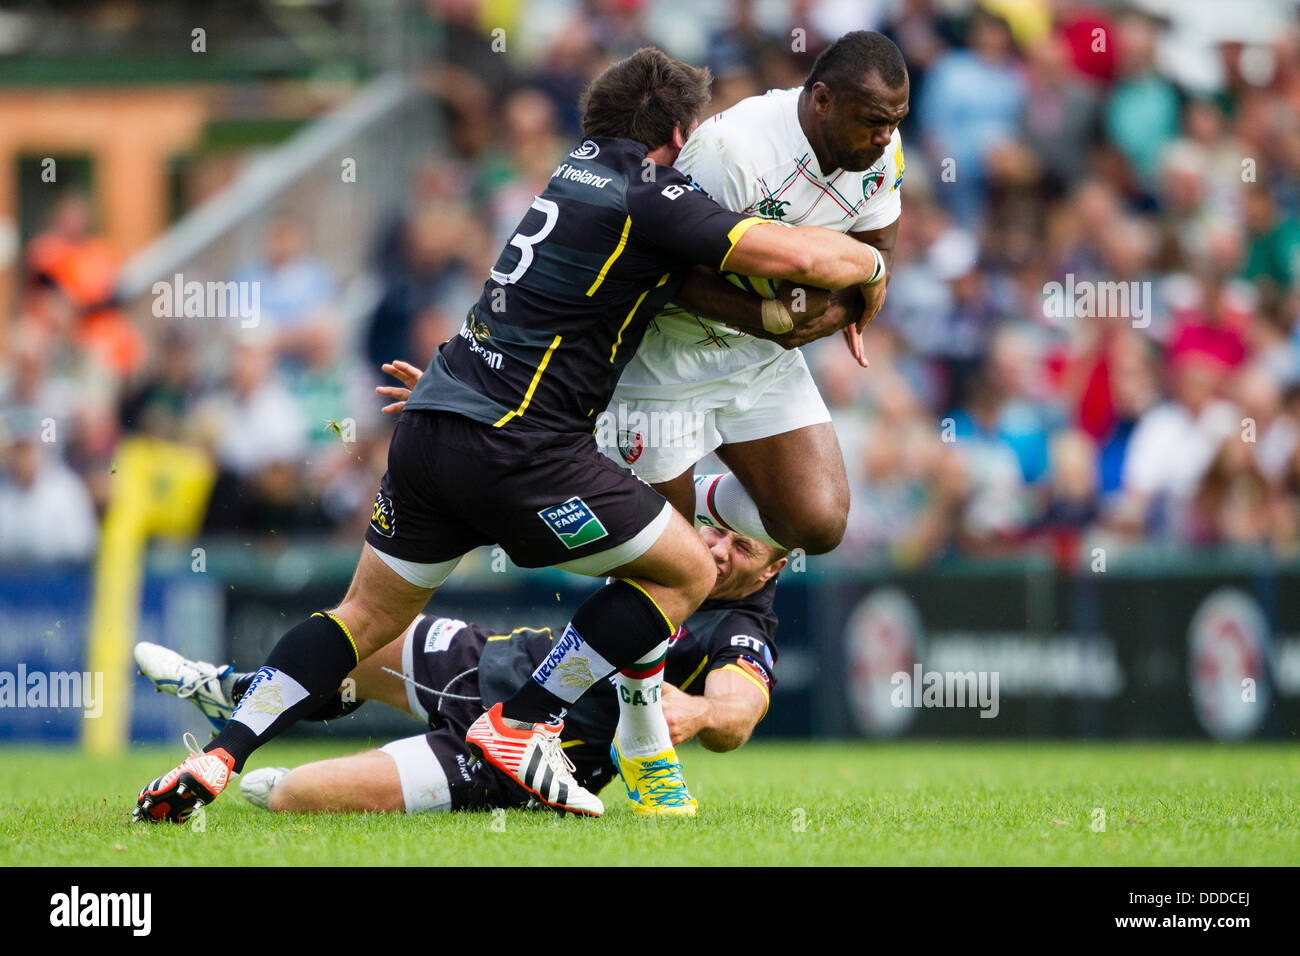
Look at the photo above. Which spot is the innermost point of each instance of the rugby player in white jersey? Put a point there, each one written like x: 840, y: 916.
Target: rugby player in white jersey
x: 826, y: 154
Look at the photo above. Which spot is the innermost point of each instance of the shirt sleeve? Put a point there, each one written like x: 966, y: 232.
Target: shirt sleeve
x: 886, y: 204
x: 742, y: 644
x: 677, y: 217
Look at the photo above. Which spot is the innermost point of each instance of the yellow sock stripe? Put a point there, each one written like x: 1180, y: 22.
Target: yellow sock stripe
x: 618, y: 251
x: 532, y: 386
x: 531, y: 630
x: 635, y: 306
x: 738, y: 230
x: 672, y: 628
x: 342, y: 627
x: 571, y: 743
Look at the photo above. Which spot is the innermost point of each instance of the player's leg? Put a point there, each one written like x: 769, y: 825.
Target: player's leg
x: 412, y: 545
x: 310, y: 662
x: 216, y: 690
x: 303, y: 671
x: 367, y: 781
x: 788, y: 485
x: 680, y: 492
x: 627, y: 531
x: 426, y: 773
x: 660, y: 579
x: 794, y: 482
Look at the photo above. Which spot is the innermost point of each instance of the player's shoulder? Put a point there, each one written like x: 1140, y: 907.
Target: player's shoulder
x: 756, y: 132
x: 659, y: 183
x: 599, y: 163
x: 763, y: 108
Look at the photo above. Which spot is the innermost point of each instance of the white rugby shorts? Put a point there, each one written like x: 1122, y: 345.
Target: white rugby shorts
x: 678, y: 400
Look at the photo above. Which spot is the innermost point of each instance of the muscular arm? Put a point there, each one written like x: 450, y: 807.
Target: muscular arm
x: 804, y: 254
x: 723, y: 718
x: 883, y: 239
x: 705, y: 292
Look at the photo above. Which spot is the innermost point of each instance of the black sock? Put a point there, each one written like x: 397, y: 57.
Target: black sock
x: 615, y: 627
x: 332, y: 709
x: 301, y: 674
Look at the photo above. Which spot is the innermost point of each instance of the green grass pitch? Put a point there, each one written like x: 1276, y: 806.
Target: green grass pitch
x: 802, y: 804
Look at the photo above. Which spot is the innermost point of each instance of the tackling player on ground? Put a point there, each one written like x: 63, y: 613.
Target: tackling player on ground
x: 495, y: 447
x: 718, y: 680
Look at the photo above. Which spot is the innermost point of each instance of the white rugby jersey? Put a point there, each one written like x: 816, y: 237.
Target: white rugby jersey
x: 755, y: 158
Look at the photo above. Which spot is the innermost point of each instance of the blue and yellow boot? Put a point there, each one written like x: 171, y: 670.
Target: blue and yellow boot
x: 655, y: 785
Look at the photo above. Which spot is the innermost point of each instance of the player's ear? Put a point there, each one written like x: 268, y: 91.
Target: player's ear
x: 773, y: 569
x: 680, y: 136
x: 822, y: 98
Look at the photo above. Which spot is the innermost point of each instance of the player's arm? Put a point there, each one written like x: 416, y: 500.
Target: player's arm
x: 687, y: 225
x: 807, y: 255
x: 723, y: 718
x: 796, y: 317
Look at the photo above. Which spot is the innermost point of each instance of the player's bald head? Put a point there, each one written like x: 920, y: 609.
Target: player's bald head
x: 645, y: 97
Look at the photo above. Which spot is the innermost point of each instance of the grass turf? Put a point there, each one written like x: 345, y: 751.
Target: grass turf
x: 802, y: 804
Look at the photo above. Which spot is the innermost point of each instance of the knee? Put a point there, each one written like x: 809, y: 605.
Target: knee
x: 369, y: 623
x: 694, y: 574
x: 819, y: 529
x: 703, y: 576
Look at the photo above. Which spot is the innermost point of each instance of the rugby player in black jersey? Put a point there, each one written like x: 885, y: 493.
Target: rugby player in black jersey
x: 496, y: 447
x: 718, y: 679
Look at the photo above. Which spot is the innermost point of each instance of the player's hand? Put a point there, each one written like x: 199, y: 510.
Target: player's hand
x: 873, y: 297
x: 803, y: 301
x: 685, y: 713
x: 817, y: 314
x: 404, y: 372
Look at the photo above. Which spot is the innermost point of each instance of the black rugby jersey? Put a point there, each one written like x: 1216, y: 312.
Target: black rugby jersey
x: 734, y: 635
x: 602, y: 249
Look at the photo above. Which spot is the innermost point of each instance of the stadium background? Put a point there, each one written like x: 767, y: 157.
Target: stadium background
x: 1103, y: 509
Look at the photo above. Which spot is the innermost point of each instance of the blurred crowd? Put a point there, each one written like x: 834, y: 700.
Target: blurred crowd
x: 1049, y: 142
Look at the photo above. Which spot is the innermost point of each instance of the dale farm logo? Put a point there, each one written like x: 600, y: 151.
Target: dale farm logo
x: 573, y: 523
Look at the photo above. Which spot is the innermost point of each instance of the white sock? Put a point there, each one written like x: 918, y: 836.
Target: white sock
x: 642, y: 729
x: 722, y: 502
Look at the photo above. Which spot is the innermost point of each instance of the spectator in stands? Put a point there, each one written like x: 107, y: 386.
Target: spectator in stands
x: 46, y: 513
x: 67, y: 261
x: 161, y: 404
x: 253, y: 421
x: 998, y: 508
x: 1142, y: 111
x: 296, y: 290
x: 1174, y: 445
x: 429, y: 292
x: 973, y: 101
x: 1232, y: 501
x: 1273, y: 250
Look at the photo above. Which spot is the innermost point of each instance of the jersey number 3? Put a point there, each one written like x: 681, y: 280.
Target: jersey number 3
x: 526, y: 243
